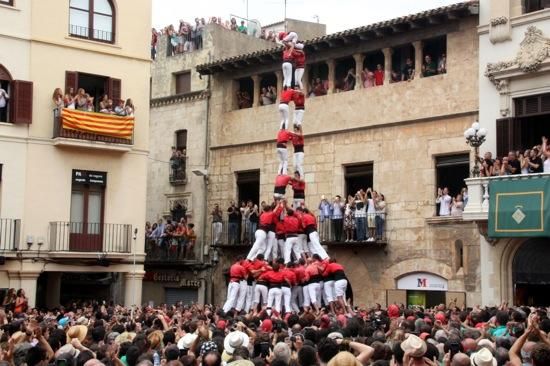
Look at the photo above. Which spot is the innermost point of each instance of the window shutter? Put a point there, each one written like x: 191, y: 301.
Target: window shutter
x: 181, y: 139
x: 183, y: 83
x: 21, y: 102
x: 508, y: 135
x: 114, y: 89
x: 71, y: 81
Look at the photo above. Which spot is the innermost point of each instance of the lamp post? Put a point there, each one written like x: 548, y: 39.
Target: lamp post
x: 475, y: 137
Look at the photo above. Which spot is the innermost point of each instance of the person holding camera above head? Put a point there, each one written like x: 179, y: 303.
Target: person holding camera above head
x: 360, y: 215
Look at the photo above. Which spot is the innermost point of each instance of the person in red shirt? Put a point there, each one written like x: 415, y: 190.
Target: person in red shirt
x: 266, y: 219
x: 299, y: 100
x: 236, y: 290
x: 279, y: 230
x: 286, y: 97
x: 281, y: 181
x: 291, y: 226
x: 261, y: 289
x: 302, y: 237
x: 288, y: 38
x: 309, y: 223
x: 379, y: 75
x: 288, y: 283
x: 288, y: 63
x: 299, y: 187
x: 300, y: 63
x: 298, y: 143
x: 297, y: 295
x: 283, y: 137
x: 313, y: 271
x: 335, y: 272
x: 274, y: 295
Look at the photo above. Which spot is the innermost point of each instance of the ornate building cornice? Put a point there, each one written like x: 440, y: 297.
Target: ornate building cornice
x: 180, y: 98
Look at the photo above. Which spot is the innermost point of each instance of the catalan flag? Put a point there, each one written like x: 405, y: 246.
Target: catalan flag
x: 98, y: 123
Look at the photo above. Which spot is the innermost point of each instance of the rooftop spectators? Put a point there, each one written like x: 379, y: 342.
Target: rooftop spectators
x: 82, y: 101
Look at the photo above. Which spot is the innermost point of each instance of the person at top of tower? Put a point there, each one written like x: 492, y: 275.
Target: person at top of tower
x: 288, y: 37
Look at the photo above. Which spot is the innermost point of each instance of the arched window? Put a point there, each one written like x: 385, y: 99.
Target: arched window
x: 92, y: 19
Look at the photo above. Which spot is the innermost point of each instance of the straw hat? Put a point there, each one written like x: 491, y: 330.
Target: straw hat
x: 235, y: 339
x: 416, y: 346
x: 77, y: 331
x: 125, y: 337
x: 483, y: 358
x: 187, y: 341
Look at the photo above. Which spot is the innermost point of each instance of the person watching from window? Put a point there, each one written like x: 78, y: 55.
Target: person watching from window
x: 444, y: 200
x: 4, y: 98
x: 379, y: 75
x: 407, y: 74
x: 429, y: 68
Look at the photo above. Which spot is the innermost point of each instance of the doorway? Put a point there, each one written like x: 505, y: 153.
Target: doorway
x: 531, y: 273
x: 248, y: 186
x: 358, y: 177
x: 86, y: 225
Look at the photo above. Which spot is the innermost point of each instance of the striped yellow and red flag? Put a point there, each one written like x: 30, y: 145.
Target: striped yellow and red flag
x: 98, y: 123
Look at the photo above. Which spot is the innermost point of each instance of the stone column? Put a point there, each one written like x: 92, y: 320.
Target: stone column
x: 417, y: 59
x: 359, y: 59
x: 331, y: 76
x: 256, y: 96
x: 28, y: 283
x: 279, y: 75
x: 133, y: 285
x: 53, y: 295
x: 387, y: 64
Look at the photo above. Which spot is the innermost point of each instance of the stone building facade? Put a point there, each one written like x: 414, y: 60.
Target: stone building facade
x: 407, y: 133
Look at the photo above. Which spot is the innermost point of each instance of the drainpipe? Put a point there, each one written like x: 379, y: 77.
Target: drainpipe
x: 206, y: 163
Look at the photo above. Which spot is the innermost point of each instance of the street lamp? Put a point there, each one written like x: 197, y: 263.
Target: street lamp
x: 475, y: 137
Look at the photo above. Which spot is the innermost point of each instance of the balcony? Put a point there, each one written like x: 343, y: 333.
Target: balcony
x: 479, y: 195
x: 178, y: 171
x: 241, y: 235
x: 89, y: 239
x: 74, y: 128
x: 164, y: 254
x: 10, y: 231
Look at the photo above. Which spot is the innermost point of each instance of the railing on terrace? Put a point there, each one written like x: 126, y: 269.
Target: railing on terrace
x: 479, y: 194
x: 169, y: 250
x: 10, y: 231
x: 90, y: 237
x: 332, y: 232
x: 59, y: 131
x: 178, y: 170
x: 94, y: 34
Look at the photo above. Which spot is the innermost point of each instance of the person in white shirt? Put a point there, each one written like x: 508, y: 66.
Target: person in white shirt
x: 444, y: 201
x: 371, y: 213
x: 4, y: 97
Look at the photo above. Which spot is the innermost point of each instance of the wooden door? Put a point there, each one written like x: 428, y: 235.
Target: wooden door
x: 86, y: 225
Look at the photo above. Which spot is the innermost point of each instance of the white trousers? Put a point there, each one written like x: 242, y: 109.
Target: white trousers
x: 287, y: 295
x: 287, y: 74
x: 302, y: 241
x: 249, y: 297
x: 271, y: 250
x: 296, y: 298
x: 232, y: 293
x: 274, y: 299
x: 291, y: 37
x: 283, y: 110
x: 282, y: 153
x: 241, y: 298
x: 290, y: 245
x: 298, y: 73
x: 217, y: 234
x: 298, y: 117
x: 314, y: 291
x: 281, y: 247
x: 298, y: 202
x: 258, y: 246
x: 315, y: 245
x: 260, y: 291
x: 299, y: 163
x: 328, y: 290
x: 340, y: 287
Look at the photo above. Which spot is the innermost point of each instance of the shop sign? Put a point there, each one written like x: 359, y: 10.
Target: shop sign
x: 422, y: 281
x: 171, y: 277
x: 89, y: 177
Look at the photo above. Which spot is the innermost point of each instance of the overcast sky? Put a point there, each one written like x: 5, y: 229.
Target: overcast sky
x: 338, y: 15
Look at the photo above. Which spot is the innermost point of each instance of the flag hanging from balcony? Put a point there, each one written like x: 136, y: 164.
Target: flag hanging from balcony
x: 98, y: 123
x: 519, y: 207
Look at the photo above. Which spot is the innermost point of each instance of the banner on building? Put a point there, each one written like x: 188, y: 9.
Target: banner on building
x: 98, y: 123
x: 519, y: 207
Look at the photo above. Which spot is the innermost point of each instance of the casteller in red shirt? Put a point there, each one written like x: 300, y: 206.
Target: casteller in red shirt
x: 286, y: 95
x: 299, y: 57
x: 237, y: 272
x: 284, y: 136
x: 299, y: 100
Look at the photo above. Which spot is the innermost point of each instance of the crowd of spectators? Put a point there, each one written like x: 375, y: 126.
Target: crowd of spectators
x: 95, y: 334
x: 242, y: 222
x: 188, y: 37
x: 82, y: 101
x: 451, y: 206
x: 530, y: 161
x: 361, y: 217
x: 171, y: 239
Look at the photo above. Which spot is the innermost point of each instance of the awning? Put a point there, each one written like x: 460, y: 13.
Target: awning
x: 98, y: 123
x: 520, y: 207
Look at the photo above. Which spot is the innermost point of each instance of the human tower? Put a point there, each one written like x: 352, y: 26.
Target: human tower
x: 287, y: 268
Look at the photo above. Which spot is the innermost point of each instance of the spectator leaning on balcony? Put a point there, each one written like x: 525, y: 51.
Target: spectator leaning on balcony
x: 217, y: 225
x: 444, y: 201
x: 360, y: 215
x: 486, y: 165
x: 337, y: 218
x: 233, y: 219
x: 513, y: 166
x: 371, y: 213
x: 379, y: 75
x: 367, y: 77
x: 407, y: 74
x: 242, y: 28
x: 349, y: 218
x: 429, y: 68
x: 4, y: 98
x: 380, y: 205
x: 57, y: 99
x: 457, y: 206
x: 535, y: 162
